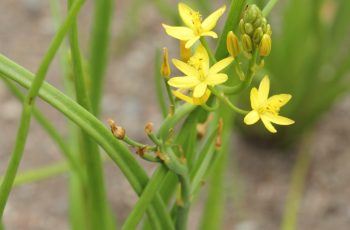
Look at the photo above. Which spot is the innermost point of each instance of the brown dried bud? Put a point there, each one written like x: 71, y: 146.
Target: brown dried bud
x: 118, y: 131
x: 149, y: 128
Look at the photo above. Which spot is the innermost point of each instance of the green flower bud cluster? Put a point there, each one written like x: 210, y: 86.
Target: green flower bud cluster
x: 255, y: 31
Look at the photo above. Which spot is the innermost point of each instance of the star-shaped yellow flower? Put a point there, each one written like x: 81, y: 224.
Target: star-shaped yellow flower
x: 198, y: 75
x: 267, y: 108
x: 195, y: 28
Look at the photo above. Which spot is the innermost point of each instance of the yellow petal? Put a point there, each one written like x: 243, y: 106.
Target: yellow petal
x: 185, y: 68
x: 254, y: 98
x: 179, y: 32
x: 183, y: 97
x: 279, y: 120
x: 202, y: 99
x: 191, y: 41
x: 210, y: 22
x: 210, y: 34
x: 202, y: 56
x: 186, y: 14
x: 268, y: 125
x: 264, y: 89
x: 277, y: 101
x: 251, y: 118
x: 199, y: 90
x: 220, y: 65
x: 216, y: 79
x: 183, y: 82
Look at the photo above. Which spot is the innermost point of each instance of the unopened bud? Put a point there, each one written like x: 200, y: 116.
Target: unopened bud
x: 258, y: 34
x: 149, y: 128
x: 268, y: 30
x: 248, y: 28
x: 241, y: 26
x: 265, y: 45
x: 232, y: 44
x: 247, y: 43
x: 185, y: 53
x: 257, y: 22
x: 165, y: 68
x: 251, y: 13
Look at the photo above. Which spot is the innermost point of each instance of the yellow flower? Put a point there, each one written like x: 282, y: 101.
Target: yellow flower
x: 195, y: 28
x: 198, y: 75
x: 267, y: 108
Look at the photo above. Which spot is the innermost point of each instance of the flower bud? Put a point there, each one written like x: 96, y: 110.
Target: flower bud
x: 251, y: 13
x: 248, y: 28
x: 118, y: 131
x: 241, y: 26
x: 247, y: 43
x: 257, y: 22
x: 232, y: 44
x: 165, y: 68
x: 258, y: 34
x: 265, y: 45
x: 185, y: 53
x: 268, y: 30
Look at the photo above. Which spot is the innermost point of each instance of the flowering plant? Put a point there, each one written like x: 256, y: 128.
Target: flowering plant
x: 193, y: 137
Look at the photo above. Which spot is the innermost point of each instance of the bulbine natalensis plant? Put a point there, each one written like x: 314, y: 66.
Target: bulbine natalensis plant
x: 193, y: 139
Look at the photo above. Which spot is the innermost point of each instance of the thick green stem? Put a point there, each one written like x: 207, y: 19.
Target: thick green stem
x: 99, y: 50
x: 96, y: 192
x: 231, y: 23
x: 267, y: 9
x: 28, y: 106
x: 145, y: 199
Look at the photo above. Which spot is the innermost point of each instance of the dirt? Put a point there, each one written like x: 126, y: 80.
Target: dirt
x: 257, y: 178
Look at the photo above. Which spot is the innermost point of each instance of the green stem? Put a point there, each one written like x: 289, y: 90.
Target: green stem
x: 158, y: 84
x: 227, y: 101
x: 170, y: 96
x: 134, y: 173
x: 173, y: 163
x: 247, y: 81
x: 99, y: 50
x: 145, y: 199
x: 96, y: 192
x: 206, y: 46
x: 136, y: 144
x: 22, y: 134
x: 267, y: 9
x: 40, y: 173
x: 302, y: 165
x: 171, y: 120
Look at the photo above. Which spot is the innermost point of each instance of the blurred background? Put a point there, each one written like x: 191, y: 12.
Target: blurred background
x: 310, y: 59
